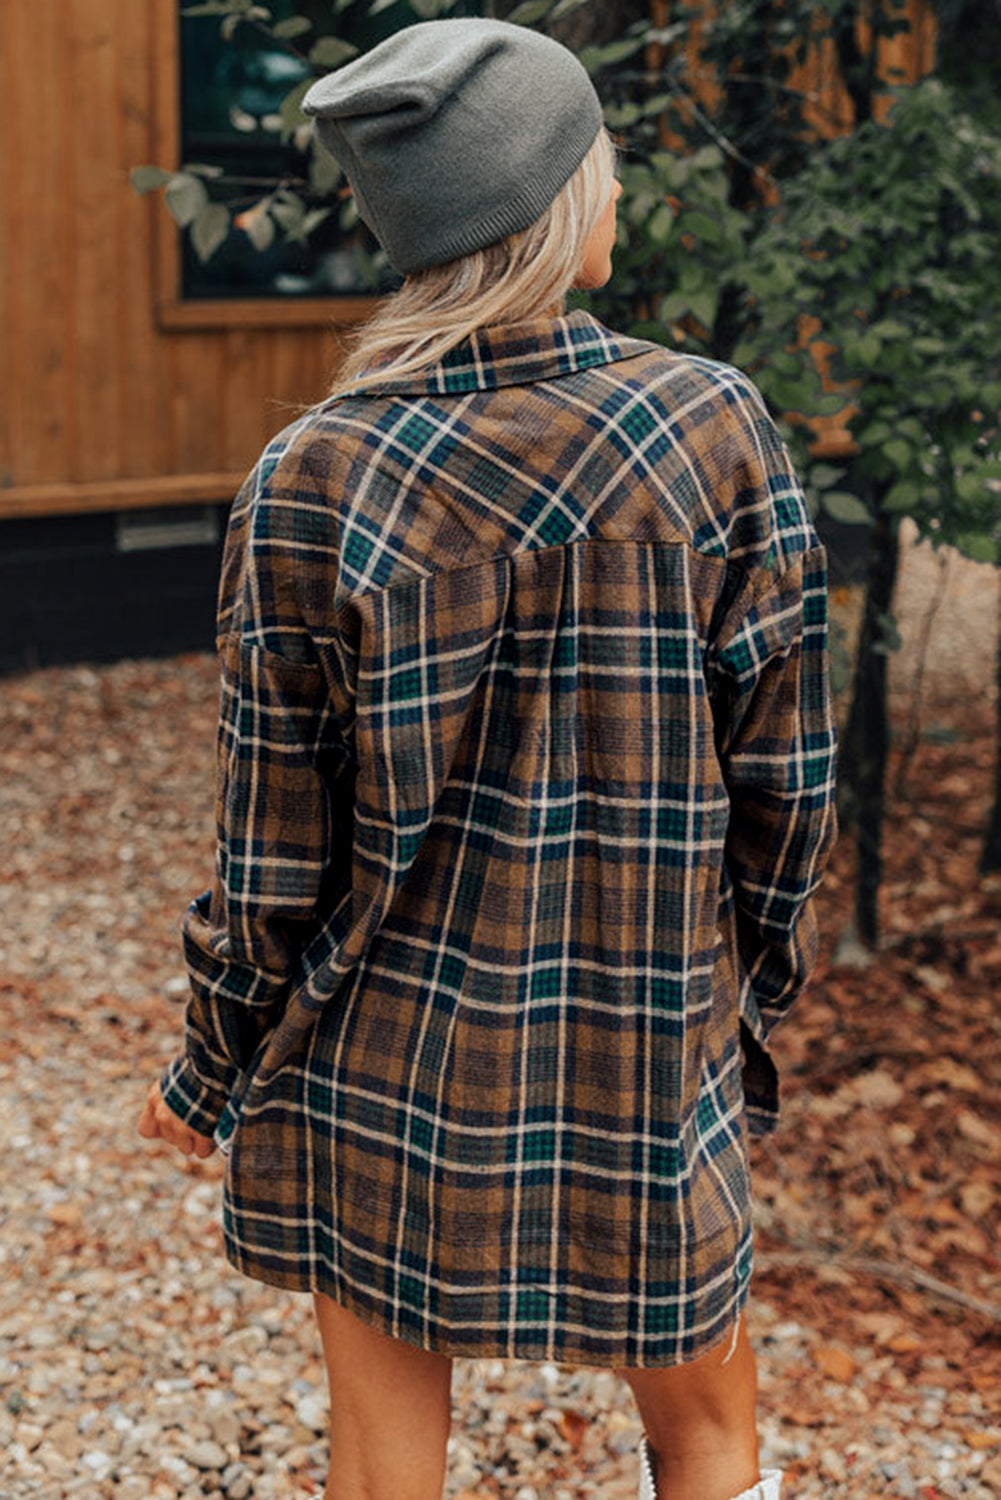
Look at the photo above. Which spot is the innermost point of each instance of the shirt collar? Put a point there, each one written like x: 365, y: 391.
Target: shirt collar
x: 515, y: 354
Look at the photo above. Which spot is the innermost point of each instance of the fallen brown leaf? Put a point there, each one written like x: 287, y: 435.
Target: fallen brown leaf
x: 956, y: 1075
x: 905, y: 1343
x: 979, y: 1130
x: 573, y: 1427
x: 66, y: 1213
x: 835, y: 1362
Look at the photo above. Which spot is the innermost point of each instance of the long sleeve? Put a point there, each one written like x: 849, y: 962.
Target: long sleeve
x: 279, y: 771
x: 777, y: 744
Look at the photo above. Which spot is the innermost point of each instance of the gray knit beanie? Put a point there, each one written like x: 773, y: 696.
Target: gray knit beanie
x: 454, y: 134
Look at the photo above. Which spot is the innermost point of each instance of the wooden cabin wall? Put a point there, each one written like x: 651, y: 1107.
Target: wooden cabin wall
x: 100, y: 405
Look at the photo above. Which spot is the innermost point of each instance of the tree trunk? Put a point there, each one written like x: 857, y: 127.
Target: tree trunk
x: 990, y: 859
x: 866, y: 743
x: 858, y: 68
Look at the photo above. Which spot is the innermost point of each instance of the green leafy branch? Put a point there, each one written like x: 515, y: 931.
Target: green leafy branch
x: 889, y: 239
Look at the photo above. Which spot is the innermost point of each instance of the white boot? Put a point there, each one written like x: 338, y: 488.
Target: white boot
x: 767, y: 1487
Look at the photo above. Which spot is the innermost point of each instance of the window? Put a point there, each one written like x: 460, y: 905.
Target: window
x: 229, y: 97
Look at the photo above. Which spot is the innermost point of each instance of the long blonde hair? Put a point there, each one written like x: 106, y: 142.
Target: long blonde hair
x: 524, y: 276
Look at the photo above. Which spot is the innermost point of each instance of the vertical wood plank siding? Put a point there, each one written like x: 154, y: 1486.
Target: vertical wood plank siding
x: 248, y: 357
x: 91, y: 139
x: 95, y: 390
x: 38, y: 221
x: 143, y: 429
x: 7, y: 381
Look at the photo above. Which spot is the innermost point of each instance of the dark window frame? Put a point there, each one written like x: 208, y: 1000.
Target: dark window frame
x: 174, y: 310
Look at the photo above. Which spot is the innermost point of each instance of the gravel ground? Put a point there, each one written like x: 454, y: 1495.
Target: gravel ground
x: 133, y: 1361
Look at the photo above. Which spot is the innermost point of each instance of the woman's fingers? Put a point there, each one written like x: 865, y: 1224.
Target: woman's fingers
x: 147, y: 1120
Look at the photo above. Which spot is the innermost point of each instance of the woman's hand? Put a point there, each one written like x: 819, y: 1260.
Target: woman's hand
x: 158, y: 1119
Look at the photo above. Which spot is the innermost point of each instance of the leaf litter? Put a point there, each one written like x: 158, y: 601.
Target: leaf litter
x: 134, y: 1362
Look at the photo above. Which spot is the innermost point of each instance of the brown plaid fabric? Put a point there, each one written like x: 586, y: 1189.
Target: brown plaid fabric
x: 525, y: 783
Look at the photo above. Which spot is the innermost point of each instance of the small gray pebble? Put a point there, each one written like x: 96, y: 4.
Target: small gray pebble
x: 311, y: 1411
x: 238, y: 1486
x: 206, y: 1454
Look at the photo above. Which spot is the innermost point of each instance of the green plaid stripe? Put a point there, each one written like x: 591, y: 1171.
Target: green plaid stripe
x: 525, y: 782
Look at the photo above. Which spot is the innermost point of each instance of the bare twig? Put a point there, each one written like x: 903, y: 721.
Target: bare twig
x: 723, y: 141
x: 904, y: 1274
x: 946, y: 927
x: 812, y: 96
x: 762, y: 78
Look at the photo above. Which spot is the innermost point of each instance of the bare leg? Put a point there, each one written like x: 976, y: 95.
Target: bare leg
x: 390, y: 1411
x: 700, y: 1423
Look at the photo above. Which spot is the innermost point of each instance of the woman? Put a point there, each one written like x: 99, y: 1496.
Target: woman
x: 525, y: 775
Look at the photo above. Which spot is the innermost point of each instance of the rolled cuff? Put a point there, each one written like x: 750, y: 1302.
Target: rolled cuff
x: 195, y: 1102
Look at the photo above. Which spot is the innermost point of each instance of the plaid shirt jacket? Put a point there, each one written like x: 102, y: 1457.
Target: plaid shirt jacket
x: 525, y: 777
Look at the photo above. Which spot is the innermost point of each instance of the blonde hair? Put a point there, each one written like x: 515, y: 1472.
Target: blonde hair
x: 524, y: 276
